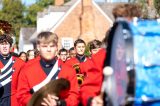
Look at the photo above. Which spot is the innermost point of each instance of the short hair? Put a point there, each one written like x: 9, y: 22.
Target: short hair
x: 62, y: 50
x: 30, y: 51
x: 126, y: 10
x: 72, y: 48
x: 94, y: 44
x: 22, y: 53
x: 79, y: 41
x: 6, y: 38
x: 47, y: 37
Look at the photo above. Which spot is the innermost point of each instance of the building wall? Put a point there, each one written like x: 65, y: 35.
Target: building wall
x: 71, y: 26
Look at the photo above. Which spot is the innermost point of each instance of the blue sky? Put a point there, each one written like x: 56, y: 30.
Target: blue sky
x: 29, y: 2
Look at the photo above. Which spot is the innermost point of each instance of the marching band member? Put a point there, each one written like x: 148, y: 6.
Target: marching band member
x: 45, y: 68
x: 10, y: 67
x: 79, y: 60
x: 94, y: 79
x: 63, y: 55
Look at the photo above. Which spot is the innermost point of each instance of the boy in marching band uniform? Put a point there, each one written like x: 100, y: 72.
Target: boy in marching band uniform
x: 10, y: 67
x: 79, y: 60
x: 46, y: 68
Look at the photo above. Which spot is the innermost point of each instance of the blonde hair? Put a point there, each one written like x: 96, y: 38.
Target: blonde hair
x: 47, y: 37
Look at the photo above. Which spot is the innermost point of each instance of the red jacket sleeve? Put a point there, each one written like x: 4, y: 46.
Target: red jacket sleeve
x: 91, y: 86
x: 23, y: 94
x: 72, y: 98
x: 18, y: 65
x: 99, y: 58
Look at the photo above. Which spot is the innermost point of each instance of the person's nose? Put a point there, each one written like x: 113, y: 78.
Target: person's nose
x: 48, y: 48
x: 81, y: 48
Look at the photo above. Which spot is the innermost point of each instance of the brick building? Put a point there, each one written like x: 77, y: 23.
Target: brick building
x: 75, y: 19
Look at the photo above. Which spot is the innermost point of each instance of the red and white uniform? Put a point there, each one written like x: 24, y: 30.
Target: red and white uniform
x: 9, y: 79
x: 33, y: 74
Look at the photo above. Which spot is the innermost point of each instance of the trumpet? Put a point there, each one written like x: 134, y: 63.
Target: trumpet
x: 80, y: 76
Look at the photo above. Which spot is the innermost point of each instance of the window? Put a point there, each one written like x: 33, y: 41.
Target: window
x: 67, y: 42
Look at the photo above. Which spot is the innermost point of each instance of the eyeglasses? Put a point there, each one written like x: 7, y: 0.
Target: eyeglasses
x: 63, y: 54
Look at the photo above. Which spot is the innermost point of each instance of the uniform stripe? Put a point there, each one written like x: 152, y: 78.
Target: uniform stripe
x: 48, y: 78
x: 5, y: 74
x: 6, y: 66
x: 3, y: 83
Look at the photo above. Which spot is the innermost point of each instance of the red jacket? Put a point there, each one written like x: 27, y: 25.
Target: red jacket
x: 73, y: 61
x: 33, y: 74
x: 92, y: 84
x: 17, y: 66
x: 61, y: 62
x: 99, y: 58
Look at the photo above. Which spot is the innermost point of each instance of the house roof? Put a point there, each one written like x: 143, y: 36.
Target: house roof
x: 65, y: 8
x: 69, y: 6
x: 108, y: 7
x: 70, y: 3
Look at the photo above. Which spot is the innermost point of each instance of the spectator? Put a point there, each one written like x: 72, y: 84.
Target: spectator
x: 23, y: 56
x: 31, y: 54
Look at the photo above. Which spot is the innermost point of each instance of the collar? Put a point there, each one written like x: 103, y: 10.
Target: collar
x: 81, y: 58
x: 48, y: 64
x: 6, y: 57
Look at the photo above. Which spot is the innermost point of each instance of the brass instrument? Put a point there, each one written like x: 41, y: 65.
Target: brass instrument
x: 80, y: 76
x: 54, y: 87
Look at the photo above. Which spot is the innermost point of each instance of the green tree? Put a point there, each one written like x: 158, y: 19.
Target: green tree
x: 30, y: 15
x: 12, y: 11
x: 31, y: 11
x: 157, y: 6
x: 149, y: 11
x: 20, y: 15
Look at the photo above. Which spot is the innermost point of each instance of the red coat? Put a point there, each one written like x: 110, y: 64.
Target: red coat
x: 28, y: 78
x: 99, y: 58
x: 92, y: 84
x: 61, y: 62
x: 71, y: 62
x: 17, y: 66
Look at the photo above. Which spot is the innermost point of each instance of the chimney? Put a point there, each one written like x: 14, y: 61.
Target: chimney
x: 58, y: 2
x: 87, y: 21
x: 86, y: 2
